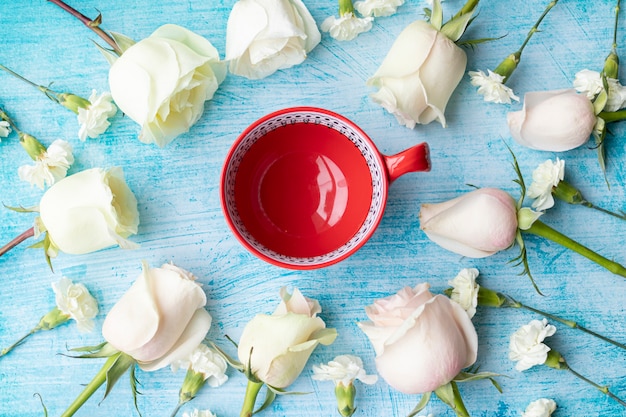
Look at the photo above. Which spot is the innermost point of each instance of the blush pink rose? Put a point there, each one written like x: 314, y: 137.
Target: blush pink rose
x: 422, y: 341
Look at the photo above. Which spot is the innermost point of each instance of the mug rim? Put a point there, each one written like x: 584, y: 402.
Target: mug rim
x: 380, y: 182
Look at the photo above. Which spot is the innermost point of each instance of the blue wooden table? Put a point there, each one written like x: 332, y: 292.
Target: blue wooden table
x: 181, y: 220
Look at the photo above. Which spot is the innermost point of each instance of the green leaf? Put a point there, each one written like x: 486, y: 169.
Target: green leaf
x: 436, y: 16
x: 421, y: 405
x: 20, y: 209
x: 123, y: 41
x: 522, y: 259
x: 270, y: 396
x: 599, y: 102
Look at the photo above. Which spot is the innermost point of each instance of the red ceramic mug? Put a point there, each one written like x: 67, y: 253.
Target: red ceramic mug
x: 304, y: 187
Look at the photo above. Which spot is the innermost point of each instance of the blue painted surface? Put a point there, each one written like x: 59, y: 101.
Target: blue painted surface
x: 181, y: 220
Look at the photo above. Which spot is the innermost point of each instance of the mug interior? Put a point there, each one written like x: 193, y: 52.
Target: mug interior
x: 304, y: 188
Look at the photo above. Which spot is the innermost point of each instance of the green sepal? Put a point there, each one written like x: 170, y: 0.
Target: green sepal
x: 421, y: 405
x: 522, y: 259
x: 599, y: 102
x: 73, y: 102
x: 270, y: 396
x: 119, y: 367
x: 123, y: 41
x: 108, y: 54
x: 345, y: 398
x: 46, y: 244
x: 477, y: 376
x: 32, y: 146
x: 556, y: 361
x: 20, y: 209
x: 103, y: 350
x: 133, y: 387
x: 490, y: 298
x: 450, y: 395
x: 436, y: 15
x: 456, y: 27
x: 231, y: 361
x: 473, y: 42
x: 611, y: 66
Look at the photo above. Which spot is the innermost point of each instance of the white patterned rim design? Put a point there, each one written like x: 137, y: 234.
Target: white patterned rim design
x: 370, y: 154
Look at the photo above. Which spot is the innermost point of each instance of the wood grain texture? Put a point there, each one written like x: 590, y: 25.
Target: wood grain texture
x: 181, y: 219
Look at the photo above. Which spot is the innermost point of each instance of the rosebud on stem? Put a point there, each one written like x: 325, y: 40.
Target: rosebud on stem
x: 252, y: 390
x: 556, y: 361
x: 541, y: 229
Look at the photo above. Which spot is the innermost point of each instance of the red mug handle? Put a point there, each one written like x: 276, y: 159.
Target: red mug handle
x: 416, y: 158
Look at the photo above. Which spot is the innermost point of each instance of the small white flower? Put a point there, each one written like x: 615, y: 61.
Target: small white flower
x: 75, y: 301
x: 545, y: 176
x: 590, y: 83
x: 205, y: 361
x: 50, y: 166
x: 343, y: 369
x: 378, y: 8
x: 465, y: 290
x: 199, y: 413
x: 347, y: 27
x: 93, y: 120
x: 491, y: 86
x: 526, y: 347
x: 543, y: 407
x: 5, y: 128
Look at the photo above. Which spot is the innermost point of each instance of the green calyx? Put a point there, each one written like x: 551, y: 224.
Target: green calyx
x: 73, y: 102
x: 611, y: 66
x: 490, y: 298
x: 556, y: 361
x: 53, y: 319
x: 191, y: 385
x: 508, y: 65
x: 32, y: 146
x: 345, y: 399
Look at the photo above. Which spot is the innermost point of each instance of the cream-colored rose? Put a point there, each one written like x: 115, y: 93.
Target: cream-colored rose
x: 160, y: 319
x: 418, y: 75
x: 553, y: 120
x: 276, y: 347
x: 163, y: 81
x: 422, y: 341
x: 263, y: 36
x: 88, y: 211
x: 477, y: 224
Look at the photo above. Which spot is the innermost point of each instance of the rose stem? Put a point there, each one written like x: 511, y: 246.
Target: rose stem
x: 569, y: 323
x: 613, y: 116
x: 29, y: 233
x: 89, y: 23
x: 541, y: 229
x: 252, y: 390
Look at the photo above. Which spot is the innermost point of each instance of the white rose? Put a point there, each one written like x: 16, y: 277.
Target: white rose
x: 553, y: 120
x: 422, y: 341
x: 418, y: 75
x: 163, y: 81
x: 88, y: 211
x: 465, y: 290
x: 276, y: 347
x: 542, y: 407
x: 263, y: 36
x: 160, y: 319
x: 477, y: 224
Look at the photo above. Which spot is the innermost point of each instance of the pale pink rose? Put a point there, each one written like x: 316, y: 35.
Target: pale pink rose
x: 477, y: 224
x: 422, y: 341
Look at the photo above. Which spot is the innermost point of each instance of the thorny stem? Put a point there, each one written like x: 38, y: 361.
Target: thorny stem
x: 91, y: 24
x: 541, y: 229
x: 569, y: 323
x: 535, y: 28
x: 27, y: 234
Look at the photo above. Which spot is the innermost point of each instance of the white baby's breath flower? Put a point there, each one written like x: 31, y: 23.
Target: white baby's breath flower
x: 346, y: 27
x: 526, y: 345
x: 5, y: 128
x: 378, y: 8
x: 75, y: 301
x: 465, y: 290
x: 199, y: 413
x: 50, y: 166
x: 545, y: 176
x: 492, y: 87
x: 343, y: 369
x: 93, y: 120
x: 589, y: 83
x: 203, y: 360
x: 542, y: 407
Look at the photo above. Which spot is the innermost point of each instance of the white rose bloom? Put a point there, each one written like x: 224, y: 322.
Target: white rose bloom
x: 418, y: 75
x: 344, y: 369
x: 346, y: 27
x: 263, y: 36
x: 75, y: 301
x: 205, y: 361
x: 162, y: 82
x: 88, y: 211
x: 542, y: 407
x: 492, y: 87
x: 590, y: 83
x: 5, y: 128
x: 93, y: 120
x: 526, y: 347
x: 545, y: 176
x: 50, y: 166
x: 198, y: 413
x: 465, y: 290
x: 378, y: 8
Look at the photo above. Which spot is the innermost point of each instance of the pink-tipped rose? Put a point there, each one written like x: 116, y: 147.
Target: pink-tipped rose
x: 422, y: 341
x: 477, y: 224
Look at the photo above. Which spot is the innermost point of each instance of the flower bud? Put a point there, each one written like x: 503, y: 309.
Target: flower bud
x: 73, y: 102
x: 506, y: 67
x: 611, y: 66
x: 33, y: 147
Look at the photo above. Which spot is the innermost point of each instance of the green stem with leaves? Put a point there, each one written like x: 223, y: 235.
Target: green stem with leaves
x: 22, y: 237
x: 252, y: 390
x: 541, y: 229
